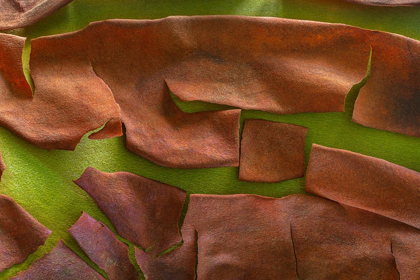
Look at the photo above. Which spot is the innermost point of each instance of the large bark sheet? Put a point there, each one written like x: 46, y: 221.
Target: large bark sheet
x: 20, y: 233
x: 365, y: 182
x: 297, y: 237
x: 83, y: 79
x: 276, y: 65
x: 103, y: 248
x: 22, y: 13
x: 61, y: 263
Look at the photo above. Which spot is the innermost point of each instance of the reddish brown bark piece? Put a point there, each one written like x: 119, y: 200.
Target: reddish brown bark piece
x: 365, y: 182
x: 332, y: 241
x: 22, y: 13
x: 53, y: 119
x: 61, y: 263
x: 156, y: 128
x: 272, y: 152
x: 103, y: 248
x: 297, y: 237
x: 143, y: 211
x: 2, y: 166
x: 390, y: 100
x: 20, y: 233
x: 387, y: 2
x: 253, y: 237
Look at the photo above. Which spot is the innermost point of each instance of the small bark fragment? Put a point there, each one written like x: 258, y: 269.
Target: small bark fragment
x: 20, y: 233
x: 61, y: 263
x: 22, y: 13
x: 390, y: 100
x: 365, y: 182
x: 2, y: 166
x: 143, y: 211
x: 103, y: 248
x: 272, y: 152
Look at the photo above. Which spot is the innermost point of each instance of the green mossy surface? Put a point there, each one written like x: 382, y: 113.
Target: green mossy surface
x: 41, y: 180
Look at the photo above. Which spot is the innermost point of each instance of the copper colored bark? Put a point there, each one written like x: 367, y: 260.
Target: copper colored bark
x: 2, y: 166
x: 52, y: 119
x: 390, y: 100
x: 103, y: 248
x: 296, y: 237
x: 61, y: 263
x: 156, y: 128
x: 365, y: 182
x: 22, y: 13
x: 387, y: 2
x: 143, y: 211
x: 253, y: 237
x: 272, y: 152
x: 20, y: 233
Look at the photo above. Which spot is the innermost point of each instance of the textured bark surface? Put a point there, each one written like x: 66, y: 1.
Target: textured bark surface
x: 296, y: 237
x: 61, y: 263
x: 103, y: 248
x: 22, y: 13
x: 20, y: 233
x: 272, y: 152
x: 254, y: 237
x: 143, y: 211
x: 277, y: 65
x: 52, y: 119
x: 156, y: 128
x: 365, y: 182
x: 390, y: 100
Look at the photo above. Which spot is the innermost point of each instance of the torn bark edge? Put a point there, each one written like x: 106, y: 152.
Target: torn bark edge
x: 112, y: 128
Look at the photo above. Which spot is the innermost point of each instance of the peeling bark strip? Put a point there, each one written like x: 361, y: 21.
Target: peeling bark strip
x: 253, y: 237
x: 143, y: 211
x: 103, y: 248
x: 2, y: 166
x: 61, y: 263
x: 365, y: 182
x: 20, y: 233
x: 22, y: 13
x: 53, y: 119
x: 390, y: 100
x: 250, y: 237
x: 272, y: 152
x: 409, y: 3
x: 277, y: 65
x: 156, y: 128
